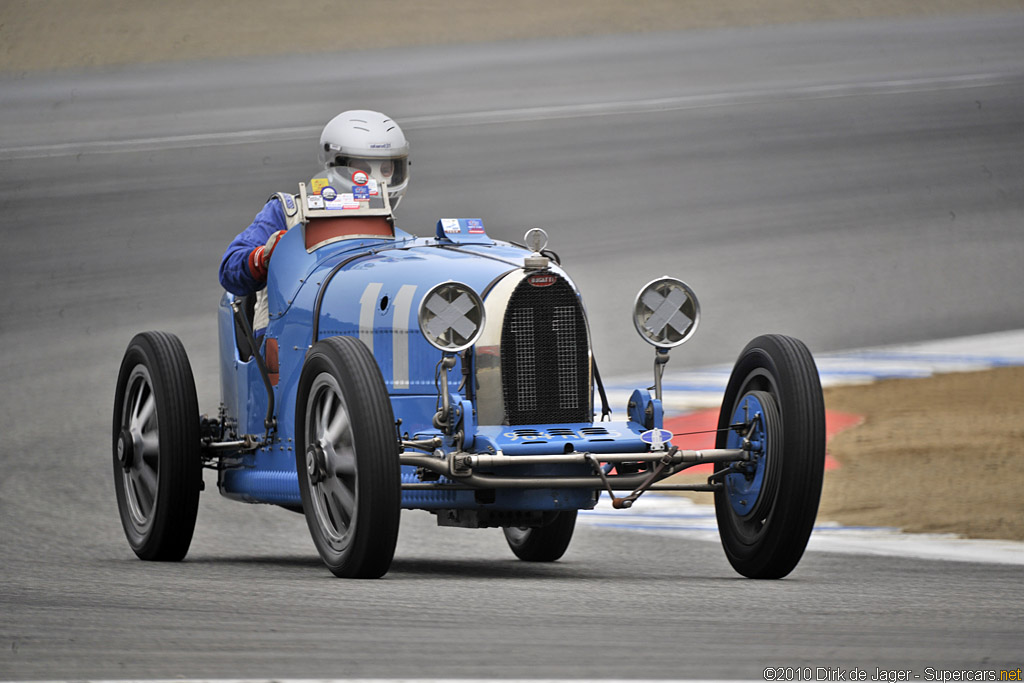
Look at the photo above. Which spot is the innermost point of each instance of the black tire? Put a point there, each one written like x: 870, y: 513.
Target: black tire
x: 157, y: 466
x: 764, y: 535
x: 544, y: 543
x: 347, y: 459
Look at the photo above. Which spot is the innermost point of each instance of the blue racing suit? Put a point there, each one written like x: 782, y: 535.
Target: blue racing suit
x: 235, y: 275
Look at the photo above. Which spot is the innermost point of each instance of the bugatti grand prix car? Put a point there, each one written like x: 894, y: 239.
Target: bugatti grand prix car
x: 451, y: 374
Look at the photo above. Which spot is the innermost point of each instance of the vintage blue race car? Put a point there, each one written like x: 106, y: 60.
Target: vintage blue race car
x: 452, y: 374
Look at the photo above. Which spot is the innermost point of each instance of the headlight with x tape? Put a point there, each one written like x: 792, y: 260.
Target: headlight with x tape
x: 666, y: 312
x: 451, y: 316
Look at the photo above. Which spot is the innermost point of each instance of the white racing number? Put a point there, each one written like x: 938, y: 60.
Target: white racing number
x: 400, y: 336
x: 401, y: 310
x: 367, y: 307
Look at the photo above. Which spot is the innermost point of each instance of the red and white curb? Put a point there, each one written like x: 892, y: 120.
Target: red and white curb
x: 693, y: 398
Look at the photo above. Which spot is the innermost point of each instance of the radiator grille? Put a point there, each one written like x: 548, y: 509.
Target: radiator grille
x: 521, y: 331
x: 545, y: 360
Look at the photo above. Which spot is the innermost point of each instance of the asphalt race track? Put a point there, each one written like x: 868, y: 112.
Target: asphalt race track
x: 852, y: 184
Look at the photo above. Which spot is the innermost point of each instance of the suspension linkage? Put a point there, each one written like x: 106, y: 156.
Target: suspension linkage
x: 627, y: 501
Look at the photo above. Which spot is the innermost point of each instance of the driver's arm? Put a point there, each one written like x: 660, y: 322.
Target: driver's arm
x: 243, y: 267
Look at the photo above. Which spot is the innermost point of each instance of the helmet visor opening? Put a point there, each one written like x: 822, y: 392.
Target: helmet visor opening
x: 392, y: 171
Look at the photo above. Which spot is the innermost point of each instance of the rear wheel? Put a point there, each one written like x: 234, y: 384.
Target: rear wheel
x: 157, y: 465
x: 347, y: 459
x: 767, y: 507
x: 544, y: 543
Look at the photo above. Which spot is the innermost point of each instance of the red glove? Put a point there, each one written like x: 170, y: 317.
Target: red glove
x: 259, y: 258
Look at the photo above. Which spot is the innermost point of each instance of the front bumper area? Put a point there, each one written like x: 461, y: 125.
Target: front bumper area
x: 569, y: 462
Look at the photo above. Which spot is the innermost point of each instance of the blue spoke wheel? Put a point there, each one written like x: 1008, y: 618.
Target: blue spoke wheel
x: 767, y: 506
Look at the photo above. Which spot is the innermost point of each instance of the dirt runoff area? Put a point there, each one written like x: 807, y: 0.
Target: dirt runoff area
x: 944, y: 454
x: 56, y: 34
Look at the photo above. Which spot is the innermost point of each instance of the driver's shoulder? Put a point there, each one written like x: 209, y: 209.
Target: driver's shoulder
x: 285, y: 209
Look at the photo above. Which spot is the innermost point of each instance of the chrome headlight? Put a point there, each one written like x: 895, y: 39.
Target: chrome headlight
x: 451, y: 316
x: 666, y: 312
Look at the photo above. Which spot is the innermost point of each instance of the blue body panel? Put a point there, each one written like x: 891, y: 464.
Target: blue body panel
x: 597, y: 437
x: 371, y: 289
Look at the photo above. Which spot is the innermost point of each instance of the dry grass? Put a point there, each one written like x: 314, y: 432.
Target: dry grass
x: 51, y: 34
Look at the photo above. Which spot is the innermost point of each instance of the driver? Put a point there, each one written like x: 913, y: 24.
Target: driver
x: 364, y: 140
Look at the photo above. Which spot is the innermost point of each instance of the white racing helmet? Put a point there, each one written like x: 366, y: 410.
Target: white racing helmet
x: 371, y: 142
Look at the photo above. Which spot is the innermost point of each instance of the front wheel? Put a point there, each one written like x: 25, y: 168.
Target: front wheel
x: 347, y: 459
x: 766, y: 507
x: 545, y: 543
x: 157, y: 465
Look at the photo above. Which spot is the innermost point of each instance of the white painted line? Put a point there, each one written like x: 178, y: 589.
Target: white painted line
x: 151, y: 144
x: 530, y: 114
x: 680, y: 517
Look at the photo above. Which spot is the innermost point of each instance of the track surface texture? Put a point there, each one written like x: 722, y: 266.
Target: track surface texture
x: 851, y: 184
